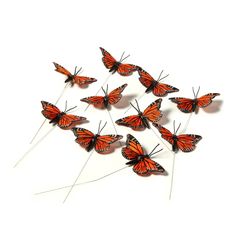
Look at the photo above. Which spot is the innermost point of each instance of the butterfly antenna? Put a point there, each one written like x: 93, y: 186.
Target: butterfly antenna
x: 76, y: 73
x: 174, y: 126
x: 137, y: 99
x: 137, y: 105
x: 163, y: 77
x: 193, y: 92
x: 153, y: 149
x: 160, y: 75
x: 134, y: 107
x: 107, y: 90
x: 103, y: 127
x: 75, y: 70
x: 103, y: 90
x: 33, y: 147
x: 197, y: 91
x: 178, y: 128
x: 122, y: 56
x: 99, y: 126
x: 65, y: 106
x: 71, y: 109
x: 156, y: 152
x: 76, y: 179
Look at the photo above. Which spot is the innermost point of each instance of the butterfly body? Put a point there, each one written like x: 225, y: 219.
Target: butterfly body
x: 92, y: 143
x: 115, y: 67
x: 144, y: 120
x: 152, y: 86
x: 174, y: 145
x: 70, y: 79
x: 55, y: 120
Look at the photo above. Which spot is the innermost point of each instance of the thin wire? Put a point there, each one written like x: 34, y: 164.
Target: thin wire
x: 61, y: 94
x: 112, y: 121
x: 108, y: 77
x: 160, y: 139
x: 72, y: 186
x: 137, y: 100
x: 187, y: 123
x: 32, y: 148
x: 172, y: 176
x: 76, y: 185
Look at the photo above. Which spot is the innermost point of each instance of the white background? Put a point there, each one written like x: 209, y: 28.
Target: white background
x: 193, y: 41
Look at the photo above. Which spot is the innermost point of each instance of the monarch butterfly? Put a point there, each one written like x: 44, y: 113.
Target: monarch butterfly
x: 88, y: 140
x: 103, y: 101
x: 62, y: 119
x: 157, y: 88
x: 116, y: 66
x: 188, y: 105
x: 74, y: 78
x: 142, y: 163
x: 152, y: 113
x: 184, y: 142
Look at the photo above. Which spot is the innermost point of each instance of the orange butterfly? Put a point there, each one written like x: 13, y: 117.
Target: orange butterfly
x: 152, y: 113
x: 188, y: 105
x: 74, y: 78
x: 116, y: 66
x: 184, y: 142
x: 103, y: 101
x: 88, y: 140
x: 56, y: 117
x: 157, y: 88
x: 141, y: 162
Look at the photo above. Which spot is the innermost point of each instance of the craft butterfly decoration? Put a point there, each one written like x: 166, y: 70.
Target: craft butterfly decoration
x: 88, y: 140
x: 184, y: 142
x: 57, y: 117
x: 142, y: 163
x: 74, y: 78
x: 154, y: 86
x: 152, y: 113
x: 188, y: 105
x: 117, y: 66
x: 109, y: 99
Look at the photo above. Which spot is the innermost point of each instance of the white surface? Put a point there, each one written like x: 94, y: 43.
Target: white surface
x: 193, y: 41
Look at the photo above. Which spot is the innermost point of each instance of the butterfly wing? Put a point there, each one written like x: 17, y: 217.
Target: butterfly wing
x: 49, y: 110
x: 133, y: 148
x: 83, y: 80
x: 152, y: 112
x: 187, y: 142
x: 147, y: 166
x: 61, y: 69
x: 83, y: 137
x: 205, y: 100
x: 134, y: 122
x: 165, y: 133
x: 184, y: 104
x: 162, y: 90
x: 115, y: 95
x: 145, y: 78
x: 95, y: 100
x: 126, y: 69
x: 108, y: 60
x: 69, y: 121
x: 103, y: 142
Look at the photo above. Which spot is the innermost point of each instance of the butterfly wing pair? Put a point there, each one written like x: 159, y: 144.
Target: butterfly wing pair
x: 157, y: 88
x: 184, y: 142
x: 112, y: 98
x: 142, y: 164
x: 88, y: 140
x: 74, y: 79
x: 152, y: 113
x: 188, y: 105
x: 115, y: 66
x: 63, y: 120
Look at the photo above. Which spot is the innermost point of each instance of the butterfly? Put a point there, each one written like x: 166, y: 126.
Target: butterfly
x: 117, y: 66
x: 152, y: 113
x: 188, y: 105
x: 88, y: 140
x: 142, y: 163
x: 157, y: 88
x: 74, y: 78
x: 184, y: 142
x: 62, y: 119
x: 109, y: 99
